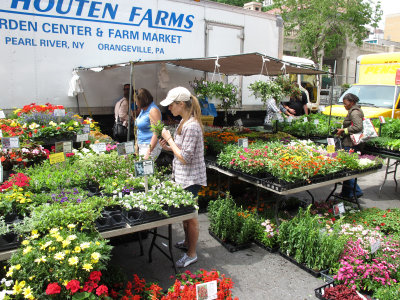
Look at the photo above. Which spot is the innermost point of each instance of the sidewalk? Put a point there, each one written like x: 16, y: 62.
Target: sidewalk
x: 257, y: 274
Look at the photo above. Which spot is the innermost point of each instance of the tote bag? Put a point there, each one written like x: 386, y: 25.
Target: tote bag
x: 368, y: 132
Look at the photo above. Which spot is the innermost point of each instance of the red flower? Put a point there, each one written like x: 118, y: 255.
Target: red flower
x: 383, y: 224
x: 113, y: 294
x: 90, y: 286
x: 53, y: 288
x: 73, y: 285
x: 333, y: 219
x: 384, y: 216
x: 102, y: 290
x: 95, y: 276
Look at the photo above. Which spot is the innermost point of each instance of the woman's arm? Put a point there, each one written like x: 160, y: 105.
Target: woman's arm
x: 154, y: 116
x: 174, y: 148
x: 357, y: 126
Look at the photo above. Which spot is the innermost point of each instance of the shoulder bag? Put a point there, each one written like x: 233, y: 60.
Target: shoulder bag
x: 368, y: 133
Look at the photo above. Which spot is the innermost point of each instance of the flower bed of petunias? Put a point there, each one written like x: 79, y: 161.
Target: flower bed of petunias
x: 297, y: 160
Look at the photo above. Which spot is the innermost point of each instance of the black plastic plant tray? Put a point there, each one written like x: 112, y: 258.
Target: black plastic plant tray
x: 178, y: 211
x: 110, y: 221
x: 9, y: 241
x: 319, y: 292
x: 328, y: 278
x: 229, y: 246
x: 133, y: 216
x: 269, y: 249
x: 151, y: 216
x: 302, y: 266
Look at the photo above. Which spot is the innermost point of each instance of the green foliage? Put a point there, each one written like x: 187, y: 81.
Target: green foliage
x: 276, y: 88
x: 229, y: 222
x: 388, y: 292
x: 306, y: 239
x: 157, y: 128
x: 323, y: 25
x: 390, y: 129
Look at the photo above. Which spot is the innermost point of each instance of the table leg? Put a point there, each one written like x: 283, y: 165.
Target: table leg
x: 140, y: 243
x: 384, y: 179
x: 394, y: 173
x: 330, y: 195
x: 312, y: 197
x: 153, y: 240
x: 170, y: 247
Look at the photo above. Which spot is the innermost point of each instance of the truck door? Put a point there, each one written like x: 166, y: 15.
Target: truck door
x: 224, y: 39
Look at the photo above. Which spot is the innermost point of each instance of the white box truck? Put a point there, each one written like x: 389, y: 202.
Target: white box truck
x: 42, y: 41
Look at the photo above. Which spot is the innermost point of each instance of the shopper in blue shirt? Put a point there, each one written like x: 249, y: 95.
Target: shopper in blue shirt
x: 149, y: 114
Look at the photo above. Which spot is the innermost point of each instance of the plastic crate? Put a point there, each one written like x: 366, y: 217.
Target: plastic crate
x: 207, y: 120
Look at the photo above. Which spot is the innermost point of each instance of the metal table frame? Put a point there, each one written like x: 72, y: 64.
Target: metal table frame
x: 306, y: 188
x: 152, y: 226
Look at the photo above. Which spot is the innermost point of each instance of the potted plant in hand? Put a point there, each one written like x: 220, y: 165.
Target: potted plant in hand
x: 157, y: 128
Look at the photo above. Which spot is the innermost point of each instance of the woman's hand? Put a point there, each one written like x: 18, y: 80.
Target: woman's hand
x: 164, y: 144
x: 166, y: 134
x: 340, y: 132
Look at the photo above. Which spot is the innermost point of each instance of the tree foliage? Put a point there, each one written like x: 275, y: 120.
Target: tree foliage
x: 323, y: 25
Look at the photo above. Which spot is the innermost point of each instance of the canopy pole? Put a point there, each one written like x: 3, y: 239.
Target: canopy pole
x: 330, y: 103
x: 130, y: 103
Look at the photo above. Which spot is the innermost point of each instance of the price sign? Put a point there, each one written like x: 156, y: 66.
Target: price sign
x: 1, y: 173
x: 2, y: 115
x: 338, y: 209
x: 243, y: 142
x: 305, y: 120
x: 331, y: 141
x: 290, y: 119
x: 238, y: 122
x: 86, y: 128
x: 316, y: 122
x: 1, y: 133
x: 59, y: 112
x: 57, y: 158
x: 82, y: 137
x: 120, y: 195
x: 10, y: 143
x: 207, y: 291
x: 129, y: 147
x: 99, y: 148
x: 144, y: 167
x: 382, y: 119
x: 121, y: 149
x: 330, y: 148
x: 375, y: 246
x: 65, y: 147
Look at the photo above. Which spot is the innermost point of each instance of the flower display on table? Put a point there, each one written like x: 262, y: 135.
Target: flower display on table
x: 22, y: 157
x: 167, y: 193
x: 298, y: 160
x: 18, y: 179
x: 36, y: 108
x: 56, y: 257
x: 15, y: 200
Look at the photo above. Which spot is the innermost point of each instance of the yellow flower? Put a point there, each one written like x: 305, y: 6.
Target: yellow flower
x: 77, y: 249
x: 70, y: 128
x: 28, y: 293
x: 13, y: 124
x: 52, y: 123
x: 85, y: 245
x: 67, y: 251
x: 76, y: 123
x: 92, y: 125
x: 71, y: 226
x: 59, y: 238
x: 59, y: 255
x: 95, y: 256
x: 34, y: 236
x: 65, y: 282
x: 40, y: 260
x: 97, y: 243
x: 27, y: 250
x: 87, y: 267
x: 17, y: 267
x: 17, y: 288
x: 32, y: 277
x: 66, y: 243
x: 10, y: 273
x: 53, y: 230
x: 73, y: 261
x: 72, y: 237
x: 32, y: 126
x: 25, y: 242
x: 46, y: 245
x: 34, y: 231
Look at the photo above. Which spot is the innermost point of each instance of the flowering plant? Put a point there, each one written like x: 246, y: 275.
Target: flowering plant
x: 22, y: 157
x: 15, y: 200
x: 88, y: 290
x: 365, y: 271
x: 185, y: 285
x: 267, y: 233
x: 157, y: 128
x: 19, y: 180
x: 58, y: 256
x: 201, y: 87
x: 33, y: 107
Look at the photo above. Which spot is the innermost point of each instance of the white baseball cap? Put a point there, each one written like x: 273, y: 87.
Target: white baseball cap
x: 176, y: 94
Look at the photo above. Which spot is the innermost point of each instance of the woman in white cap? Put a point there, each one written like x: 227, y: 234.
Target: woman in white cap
x: 189, y: 168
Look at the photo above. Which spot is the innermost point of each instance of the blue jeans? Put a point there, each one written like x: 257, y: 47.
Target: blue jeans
x: 348, y: 185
